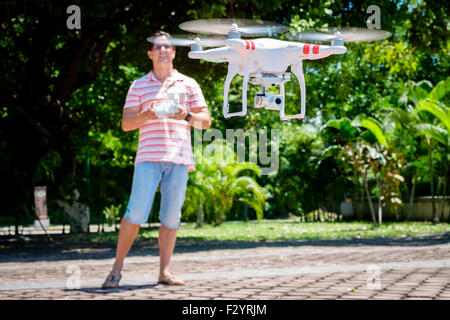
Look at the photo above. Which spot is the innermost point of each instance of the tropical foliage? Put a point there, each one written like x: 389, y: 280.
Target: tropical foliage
x: 63, y: 91
x: 222, y: 181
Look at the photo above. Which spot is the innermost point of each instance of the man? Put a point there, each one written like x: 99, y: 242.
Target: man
x: 164, y: 153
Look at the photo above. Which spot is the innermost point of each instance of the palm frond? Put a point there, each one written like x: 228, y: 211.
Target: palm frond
x: 440, y: 90
x: 254, y: 204
x: 245, y: 166
x: 437, y: 133
x: 438, y: 109
x: 248, y: 184
x: 371, y: 125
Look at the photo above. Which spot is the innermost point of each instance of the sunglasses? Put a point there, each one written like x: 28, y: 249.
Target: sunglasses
x: 160, y: 46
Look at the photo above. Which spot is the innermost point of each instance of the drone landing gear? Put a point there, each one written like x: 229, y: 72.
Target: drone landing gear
x: 232, y: 71
x: 296, y: 69
x: 262, y: 99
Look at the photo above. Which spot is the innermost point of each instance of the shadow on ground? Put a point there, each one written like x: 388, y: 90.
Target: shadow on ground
x: 105, y: 292
x: 39, y: 248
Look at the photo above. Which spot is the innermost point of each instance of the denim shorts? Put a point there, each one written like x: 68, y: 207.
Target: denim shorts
x: 147, y: 176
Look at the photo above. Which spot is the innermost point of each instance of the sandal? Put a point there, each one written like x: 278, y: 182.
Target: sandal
x: 171, y: 281
x: 111, y: 282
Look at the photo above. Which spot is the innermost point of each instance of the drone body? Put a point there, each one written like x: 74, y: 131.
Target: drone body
x: 270, y: 55
x: 265, y: 61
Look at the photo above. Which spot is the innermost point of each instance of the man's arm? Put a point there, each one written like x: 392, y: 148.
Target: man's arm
x: 133, y: 117
x: 200, y: 118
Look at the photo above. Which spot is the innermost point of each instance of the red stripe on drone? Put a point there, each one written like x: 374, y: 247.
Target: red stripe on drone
x: 306, y: 49
x: 315, y: 49
x: 247, y: 45
x: 253, y: 44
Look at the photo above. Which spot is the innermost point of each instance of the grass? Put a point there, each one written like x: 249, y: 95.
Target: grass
x: 273, y: 231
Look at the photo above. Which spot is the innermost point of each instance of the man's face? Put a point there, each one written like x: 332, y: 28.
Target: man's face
x: 162, y: 52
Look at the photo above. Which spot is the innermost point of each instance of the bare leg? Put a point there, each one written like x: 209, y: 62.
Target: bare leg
x: 127, y: 234
x: 166, y: 240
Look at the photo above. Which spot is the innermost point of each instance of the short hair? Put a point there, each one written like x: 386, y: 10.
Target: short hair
x: 152, y: 38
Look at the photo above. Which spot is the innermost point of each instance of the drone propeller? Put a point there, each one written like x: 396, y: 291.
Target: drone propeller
x: 191, y: 40
x: 246, y: 27
x: 341, y: 34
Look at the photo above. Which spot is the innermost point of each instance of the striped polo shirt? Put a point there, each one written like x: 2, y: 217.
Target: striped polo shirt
x: 165, y: 140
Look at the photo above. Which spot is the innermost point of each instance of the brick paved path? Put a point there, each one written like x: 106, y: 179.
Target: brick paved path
x: 408, y: 268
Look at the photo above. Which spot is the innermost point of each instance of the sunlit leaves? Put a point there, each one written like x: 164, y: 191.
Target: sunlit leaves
x: 439, y: 110
x: 396, y: 57
x: 222, y: 180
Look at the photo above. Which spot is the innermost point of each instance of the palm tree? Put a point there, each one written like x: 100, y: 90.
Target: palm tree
x: 364, y: 157
x: 221, y: 181
x: 402, y: 135
x: 434, y: 130
x: 432, y: 133
x: 346, y: 133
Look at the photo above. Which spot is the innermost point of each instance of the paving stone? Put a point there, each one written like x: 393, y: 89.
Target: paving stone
x: 236, y: 297
x: 386, y: 297
x: 416, y: 298
x: 243, y: 273
x: 327, y: 297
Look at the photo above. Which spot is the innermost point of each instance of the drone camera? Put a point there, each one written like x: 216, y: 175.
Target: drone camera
x: 269, y: 101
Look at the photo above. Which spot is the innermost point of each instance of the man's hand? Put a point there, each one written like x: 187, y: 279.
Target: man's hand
x: 149, y: 113
x: 180, y: 115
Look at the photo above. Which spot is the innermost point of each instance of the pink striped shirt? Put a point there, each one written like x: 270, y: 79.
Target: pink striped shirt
x: 165, y: 140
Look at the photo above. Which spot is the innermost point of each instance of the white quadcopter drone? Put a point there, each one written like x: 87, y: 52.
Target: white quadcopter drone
x: 264, y: 61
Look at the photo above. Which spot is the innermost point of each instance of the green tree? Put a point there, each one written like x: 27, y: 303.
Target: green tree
x: 222, y: 181
x: 63, y: 90
x: 434, y: 129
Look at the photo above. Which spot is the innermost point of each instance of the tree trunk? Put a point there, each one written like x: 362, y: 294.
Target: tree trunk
x: 380, y: 207
x: 245, y: 210
x: 16, y: 224
x: 99, y: 229
x: 77, y: 214
x: 361, y: 209
x: 355, y: 192
x: 444, y: 194
x: 372, y: 211
x: 433, y: 203
x: 411, y: 198
x: 199, y: 223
